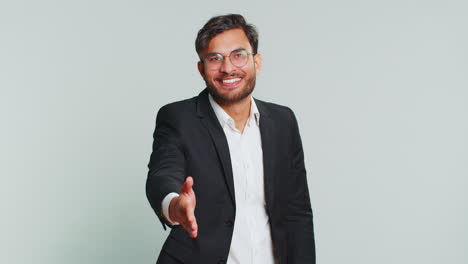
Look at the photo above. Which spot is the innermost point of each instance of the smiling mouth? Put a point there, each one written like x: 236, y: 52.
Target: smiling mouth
x: 231, y: 80
x: 230, y: 83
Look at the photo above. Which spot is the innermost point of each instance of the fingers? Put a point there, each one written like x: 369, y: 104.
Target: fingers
x: 186, y: 204
x: 192, y: 226
x: 187, y: 187
x: 188, y: 221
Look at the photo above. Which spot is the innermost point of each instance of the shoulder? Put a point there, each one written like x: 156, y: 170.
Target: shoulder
x: 178, y: 110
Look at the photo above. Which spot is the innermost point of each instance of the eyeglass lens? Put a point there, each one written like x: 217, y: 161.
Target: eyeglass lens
x: 237, y: 57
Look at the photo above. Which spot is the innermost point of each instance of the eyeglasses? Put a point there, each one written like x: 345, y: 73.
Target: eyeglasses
x: 238, y: 58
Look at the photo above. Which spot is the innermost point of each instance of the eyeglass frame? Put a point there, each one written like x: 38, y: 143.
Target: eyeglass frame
x: 202, y: 60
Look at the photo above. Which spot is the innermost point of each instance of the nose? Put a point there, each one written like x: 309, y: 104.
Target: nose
x: 226, y: 65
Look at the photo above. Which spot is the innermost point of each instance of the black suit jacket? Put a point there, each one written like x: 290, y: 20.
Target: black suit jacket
x: 189, y: 141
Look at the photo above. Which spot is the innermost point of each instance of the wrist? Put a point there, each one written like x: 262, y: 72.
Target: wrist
x: 173, y: 209
x: 165, y: 208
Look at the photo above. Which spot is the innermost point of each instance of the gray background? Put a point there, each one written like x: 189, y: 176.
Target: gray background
x: 379, y: 89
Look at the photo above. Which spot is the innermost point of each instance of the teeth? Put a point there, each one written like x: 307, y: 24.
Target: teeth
x: 231, y: 80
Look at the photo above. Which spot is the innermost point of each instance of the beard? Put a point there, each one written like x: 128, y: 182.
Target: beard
x: 226, y: 99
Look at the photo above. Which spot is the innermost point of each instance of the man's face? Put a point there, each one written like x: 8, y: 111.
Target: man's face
x: 229, y: 83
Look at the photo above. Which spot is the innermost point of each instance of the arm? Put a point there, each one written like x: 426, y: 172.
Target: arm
x: 167, y: 163
x: 299, y: 223
x: 169, y: 192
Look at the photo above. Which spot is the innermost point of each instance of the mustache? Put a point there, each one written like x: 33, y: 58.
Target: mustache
x: 234, y: 75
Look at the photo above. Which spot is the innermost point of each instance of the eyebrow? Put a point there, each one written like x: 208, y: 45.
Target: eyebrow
x: 216, y: 53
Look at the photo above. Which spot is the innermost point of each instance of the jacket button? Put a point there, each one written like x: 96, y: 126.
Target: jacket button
x: 221, y: 261
x: 229, y: 223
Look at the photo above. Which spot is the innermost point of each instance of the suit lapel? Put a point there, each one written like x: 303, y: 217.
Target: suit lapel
x: 267, y: 132
x: 210, y: 121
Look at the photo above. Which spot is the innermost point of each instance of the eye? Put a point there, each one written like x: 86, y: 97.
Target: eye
x: 214, y: 58
x: 240, y: 54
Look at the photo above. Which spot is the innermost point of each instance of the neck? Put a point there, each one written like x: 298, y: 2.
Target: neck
x: 239, y: 111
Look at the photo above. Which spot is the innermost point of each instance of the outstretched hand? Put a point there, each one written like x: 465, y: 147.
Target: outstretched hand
x: 182, y: 208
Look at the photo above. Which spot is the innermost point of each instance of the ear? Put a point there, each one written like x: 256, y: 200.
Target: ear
x: 258, y: 62
x: 201, y: 69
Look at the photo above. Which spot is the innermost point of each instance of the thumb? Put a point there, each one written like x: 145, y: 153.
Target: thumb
x: 187, y: 187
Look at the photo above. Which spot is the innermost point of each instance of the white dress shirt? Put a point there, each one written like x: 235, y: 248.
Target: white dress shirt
x: 251, y: 239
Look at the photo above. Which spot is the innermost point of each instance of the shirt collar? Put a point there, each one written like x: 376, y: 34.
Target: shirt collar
x: 225, y: 119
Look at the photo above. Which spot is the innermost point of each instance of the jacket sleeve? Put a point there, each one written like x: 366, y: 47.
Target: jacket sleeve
x: 299, y: 219
x: 166, y: 172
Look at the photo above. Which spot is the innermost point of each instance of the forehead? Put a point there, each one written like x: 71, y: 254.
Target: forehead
x: 228, y: 41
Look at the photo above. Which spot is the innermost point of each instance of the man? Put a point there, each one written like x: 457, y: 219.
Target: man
x: 227, y: 171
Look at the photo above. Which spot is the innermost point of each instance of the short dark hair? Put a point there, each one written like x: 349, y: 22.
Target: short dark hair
x: 218, y: 24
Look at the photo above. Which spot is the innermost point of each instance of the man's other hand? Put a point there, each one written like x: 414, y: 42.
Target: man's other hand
x: 182, y: 208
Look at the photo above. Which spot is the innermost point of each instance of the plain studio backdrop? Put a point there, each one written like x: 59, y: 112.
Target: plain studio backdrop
x: 380, y: 90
